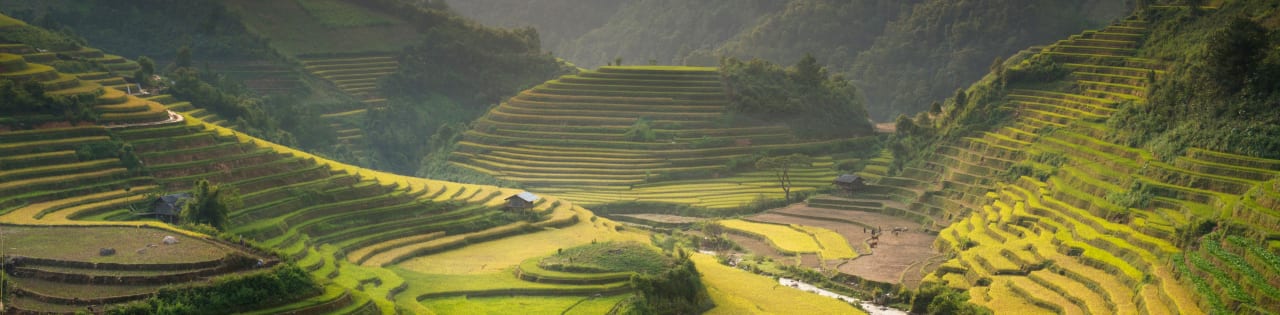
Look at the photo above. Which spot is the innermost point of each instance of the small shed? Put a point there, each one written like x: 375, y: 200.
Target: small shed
x: 522, y: 200
x: 166, y: 208
x: 849, y: 183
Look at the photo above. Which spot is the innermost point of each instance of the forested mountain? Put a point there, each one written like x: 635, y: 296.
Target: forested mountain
x: 902, y: 54
x: 547, y: 16
x: 940, y: 45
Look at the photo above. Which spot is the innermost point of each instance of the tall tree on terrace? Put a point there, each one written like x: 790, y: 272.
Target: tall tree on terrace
x: 781, y: 166
x: 210, y: 204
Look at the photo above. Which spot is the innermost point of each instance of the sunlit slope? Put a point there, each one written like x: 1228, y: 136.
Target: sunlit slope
x: 112, y: 105
x: 1066, y: 237
x: 52, y: 179
x: 308, y: 207
x: 623, y: 133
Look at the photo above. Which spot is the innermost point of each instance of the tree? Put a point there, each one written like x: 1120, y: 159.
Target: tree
x: 184, y: 57
x: 1234, y: 52
x: 961, y: 99
x: 146, y: 68
x: 807, y: 72
x: 677, y: 290
x: 641, y: 131
x: 781, y: 166
x: 210, y: 204
x: 1194, y: 6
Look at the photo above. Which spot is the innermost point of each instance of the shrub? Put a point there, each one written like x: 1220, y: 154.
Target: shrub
x: 678, y: 290
x: 230, y: 294
x: 1038, y: 69
x: 641, y: 131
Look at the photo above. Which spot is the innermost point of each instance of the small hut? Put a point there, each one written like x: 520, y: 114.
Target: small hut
x: 166, y: 208
x: 848, y: 183
x: 521, y: 201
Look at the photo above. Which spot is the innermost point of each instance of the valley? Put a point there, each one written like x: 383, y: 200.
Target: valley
x: 454, y: 168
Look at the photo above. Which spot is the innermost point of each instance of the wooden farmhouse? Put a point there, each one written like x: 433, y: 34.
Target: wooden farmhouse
x: 849, y: 183
x: 521, y: 201
x: 166, y: 208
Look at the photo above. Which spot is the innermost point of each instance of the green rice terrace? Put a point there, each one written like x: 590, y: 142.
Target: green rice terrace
x: 304, y: 206
x: 574, y: 137
x: 641, y: 190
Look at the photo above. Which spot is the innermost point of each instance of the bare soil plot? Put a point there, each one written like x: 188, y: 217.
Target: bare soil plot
x: 893, y: 254
x: 758, y: 247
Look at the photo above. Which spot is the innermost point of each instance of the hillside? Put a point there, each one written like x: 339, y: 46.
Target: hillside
x: 291, y: 81
x: 1029, y: 183
x: 950, y: 43
x: 1064, y: 220
x: 1129, y: 169
x: 641, y: 133
x: 349, y: 240
x: 298, y: 204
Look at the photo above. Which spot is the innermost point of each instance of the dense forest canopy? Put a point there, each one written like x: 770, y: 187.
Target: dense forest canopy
x: 146, y: 27
x: 804, y: 96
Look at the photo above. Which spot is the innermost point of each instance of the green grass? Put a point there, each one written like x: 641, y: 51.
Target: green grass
x: 6, y: 21
x: 608, y: 257
x: 497, y: 282
x: 736, y: 291
x: 524, y: 304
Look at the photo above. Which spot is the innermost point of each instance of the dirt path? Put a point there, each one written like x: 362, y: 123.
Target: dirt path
x: 893, y: 255
x: 173, y: 118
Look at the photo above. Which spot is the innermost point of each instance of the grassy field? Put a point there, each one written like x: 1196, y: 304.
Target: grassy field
x: 6, y: 21
x: 739, y: 292
x: 508, y: 252
x: 524, y: 304
x: 50, y: 242
x: 498, y: 280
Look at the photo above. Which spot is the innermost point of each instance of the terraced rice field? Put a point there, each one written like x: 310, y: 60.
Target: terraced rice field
x: 1055, y: 244
x: 531, y: 305
x: 715, y: 193
x: 335, y: 217
x: 568, y: 136
x: 357, y: 76
x: 308, y: 207
x: 113, y: 106
x: 796, y: 239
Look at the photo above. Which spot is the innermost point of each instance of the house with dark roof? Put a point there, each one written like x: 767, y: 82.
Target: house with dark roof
x: 849, y: 183
x: 522, y: 200
x: 166, y: 208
